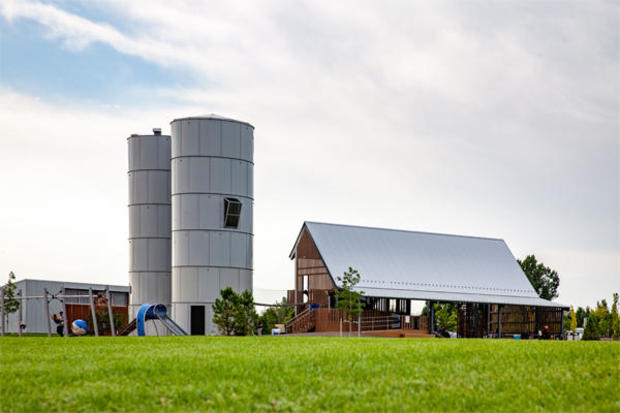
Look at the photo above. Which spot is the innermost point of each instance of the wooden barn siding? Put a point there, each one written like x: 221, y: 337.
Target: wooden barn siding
x: 308, y: 262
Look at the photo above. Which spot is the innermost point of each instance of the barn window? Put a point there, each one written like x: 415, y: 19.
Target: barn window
x: 232, y: 212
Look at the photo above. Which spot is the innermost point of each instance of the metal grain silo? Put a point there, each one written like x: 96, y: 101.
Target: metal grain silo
x: 212, y: 202
x: 149, y: 219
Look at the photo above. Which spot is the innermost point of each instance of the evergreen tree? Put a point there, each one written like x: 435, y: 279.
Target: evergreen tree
x: 573, y: 319
x: 224, y: 311
x: 234, y: 314
x: 591, y: 331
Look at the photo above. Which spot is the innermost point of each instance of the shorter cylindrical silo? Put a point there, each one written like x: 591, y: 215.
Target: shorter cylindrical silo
x: 149, y: 220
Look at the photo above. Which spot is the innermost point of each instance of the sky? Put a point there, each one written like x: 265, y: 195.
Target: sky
x: 490, y: 119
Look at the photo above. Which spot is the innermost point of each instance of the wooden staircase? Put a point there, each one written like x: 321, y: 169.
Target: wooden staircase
x: 304, y: 322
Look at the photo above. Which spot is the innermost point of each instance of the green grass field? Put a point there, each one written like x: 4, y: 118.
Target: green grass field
x: 306, y: 374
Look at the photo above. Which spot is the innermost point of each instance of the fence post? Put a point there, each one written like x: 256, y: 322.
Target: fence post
x: 2, y: 310
x: 111, y: 314
x: 65, y: 319
x: 47, y: 313
x: 20, y: 314
x: 92, y: 309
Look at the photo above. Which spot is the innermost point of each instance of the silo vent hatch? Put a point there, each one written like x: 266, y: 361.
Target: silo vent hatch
x: 232, y: 212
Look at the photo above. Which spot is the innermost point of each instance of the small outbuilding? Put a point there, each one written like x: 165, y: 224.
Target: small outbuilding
x: 34, y: 312
x: 479, y: 275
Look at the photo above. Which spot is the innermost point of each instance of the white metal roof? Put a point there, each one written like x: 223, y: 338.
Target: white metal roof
x: 71, y: 284
x: 213, y: 116
x: 421, y: 265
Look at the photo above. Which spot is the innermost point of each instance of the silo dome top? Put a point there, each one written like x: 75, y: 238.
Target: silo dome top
x: 214, y: 117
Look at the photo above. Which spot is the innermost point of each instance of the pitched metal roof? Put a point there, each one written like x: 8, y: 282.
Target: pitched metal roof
x: 422, y: 265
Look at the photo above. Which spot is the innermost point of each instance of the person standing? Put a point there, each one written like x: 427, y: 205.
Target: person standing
x: 60, y: 323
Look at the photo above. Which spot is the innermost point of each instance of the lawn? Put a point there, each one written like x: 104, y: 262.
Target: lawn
x: 306, y: 374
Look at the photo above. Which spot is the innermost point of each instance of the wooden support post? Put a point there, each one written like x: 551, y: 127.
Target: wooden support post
x: 2, y: 309
x: 47, y: 313
x: 92, y: 309
x: 65, y: 319
x: 20, y: 314
x: 499, y: 321
x: 488, y: 320
x: 110, y: 313
x: 431, y: 317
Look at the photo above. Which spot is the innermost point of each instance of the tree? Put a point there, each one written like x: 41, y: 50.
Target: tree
x: 279, y: 314
x: 224, y: 311
x: 573, y: 319
x: 544, y: 280
x: 235, y: 313
x: 445, y: 316
x: 245, y: 316
x: 591, y: 331
x: 603, y: 318
x: 581, y: 315
x: 11, y: 305
x: 615, y: 322
x: 347, y: 300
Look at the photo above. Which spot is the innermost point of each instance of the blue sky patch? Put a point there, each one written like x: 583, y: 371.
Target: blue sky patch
x: 37, y: 65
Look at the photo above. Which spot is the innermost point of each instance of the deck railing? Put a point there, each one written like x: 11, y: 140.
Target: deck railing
x: 330, y: 319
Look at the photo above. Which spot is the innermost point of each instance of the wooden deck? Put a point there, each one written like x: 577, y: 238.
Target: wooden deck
x: 402, y: 333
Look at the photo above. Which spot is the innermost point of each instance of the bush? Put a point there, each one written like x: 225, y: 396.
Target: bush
x: 591, y: 331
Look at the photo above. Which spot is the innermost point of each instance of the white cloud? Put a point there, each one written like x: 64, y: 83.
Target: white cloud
x: 491, y: 120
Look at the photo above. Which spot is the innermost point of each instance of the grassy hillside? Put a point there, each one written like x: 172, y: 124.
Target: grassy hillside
x: 306, y: 374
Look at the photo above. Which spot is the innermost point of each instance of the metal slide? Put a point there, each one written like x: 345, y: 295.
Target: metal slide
x: 152, y: 312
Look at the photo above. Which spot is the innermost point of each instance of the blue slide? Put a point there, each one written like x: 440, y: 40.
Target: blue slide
x: 152, y: 312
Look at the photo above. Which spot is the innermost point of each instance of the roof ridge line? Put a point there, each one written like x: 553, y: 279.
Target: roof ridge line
x: 404, y: 230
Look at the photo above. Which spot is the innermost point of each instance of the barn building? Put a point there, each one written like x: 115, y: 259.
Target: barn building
x: 479, y: 275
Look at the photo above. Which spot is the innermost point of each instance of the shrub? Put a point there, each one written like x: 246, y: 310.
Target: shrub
x: 591, y: 331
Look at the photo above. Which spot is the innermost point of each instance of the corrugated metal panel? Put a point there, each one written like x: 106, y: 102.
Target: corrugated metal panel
x: 407, y: 264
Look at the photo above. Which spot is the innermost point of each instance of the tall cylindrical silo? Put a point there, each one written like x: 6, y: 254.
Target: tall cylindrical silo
x: 212, y: 202
x: 149, y: 220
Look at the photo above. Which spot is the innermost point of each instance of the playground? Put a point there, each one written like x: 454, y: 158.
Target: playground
x: 306, y: 374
